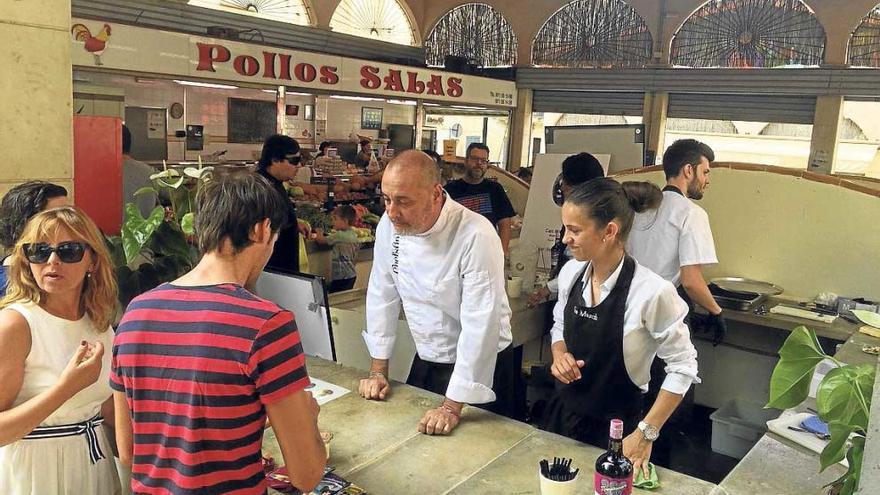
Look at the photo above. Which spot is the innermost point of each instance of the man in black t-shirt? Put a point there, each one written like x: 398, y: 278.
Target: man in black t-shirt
x: 485, y: 197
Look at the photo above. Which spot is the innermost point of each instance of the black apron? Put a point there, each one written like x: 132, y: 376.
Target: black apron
x: 582, y: 409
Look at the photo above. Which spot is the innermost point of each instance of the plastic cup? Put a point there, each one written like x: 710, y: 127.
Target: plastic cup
x: 550, y: 487
x: 514, y: 287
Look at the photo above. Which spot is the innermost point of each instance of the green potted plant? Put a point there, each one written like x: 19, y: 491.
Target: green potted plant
x: 843, y: 401
x: 157, y: 249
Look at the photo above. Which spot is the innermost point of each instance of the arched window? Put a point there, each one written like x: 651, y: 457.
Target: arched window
x: 849, y: 130
x: 864, y: 45
x: 474, y: 31
x: 749, y: 33
x: 290, y: 11
x: 593, y: 33
x: 382, y: 20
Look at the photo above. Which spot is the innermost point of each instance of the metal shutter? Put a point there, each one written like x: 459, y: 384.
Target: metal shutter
x: 589, y: 102
x: 757, y: 108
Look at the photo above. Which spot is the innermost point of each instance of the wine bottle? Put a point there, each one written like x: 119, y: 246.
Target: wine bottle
x: 614, y: 472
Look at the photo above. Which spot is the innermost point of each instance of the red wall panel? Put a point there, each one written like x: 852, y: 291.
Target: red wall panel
x: 97, y: 169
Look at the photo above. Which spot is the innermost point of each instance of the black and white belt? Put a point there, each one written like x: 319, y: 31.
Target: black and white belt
x: 86, y: 428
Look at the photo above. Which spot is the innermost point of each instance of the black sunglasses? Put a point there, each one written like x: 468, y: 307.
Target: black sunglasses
x: 68, y: 252
x: 293, y: 159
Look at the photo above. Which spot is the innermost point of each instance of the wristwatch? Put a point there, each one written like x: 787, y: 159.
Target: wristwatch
x: 650, y: 432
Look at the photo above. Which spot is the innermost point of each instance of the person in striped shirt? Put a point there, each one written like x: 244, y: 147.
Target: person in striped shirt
x: 200, y: 362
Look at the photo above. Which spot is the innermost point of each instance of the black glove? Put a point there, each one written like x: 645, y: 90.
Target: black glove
x: 718, y: 327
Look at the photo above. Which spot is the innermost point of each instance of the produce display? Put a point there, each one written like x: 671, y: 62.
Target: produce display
x: 314, y: 217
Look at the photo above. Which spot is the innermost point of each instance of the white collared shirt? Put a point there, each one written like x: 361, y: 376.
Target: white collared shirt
x: 653, y: 324
x: 450, y: 282
x: 675, y: 235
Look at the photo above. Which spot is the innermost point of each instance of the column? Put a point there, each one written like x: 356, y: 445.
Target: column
x: 520, y: 131
x: 826, y: 123
x: 656, y: 104
x: 36, y: 93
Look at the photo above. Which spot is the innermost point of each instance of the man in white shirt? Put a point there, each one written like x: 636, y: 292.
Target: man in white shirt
x: 675, y: 241
x: 443, y: 264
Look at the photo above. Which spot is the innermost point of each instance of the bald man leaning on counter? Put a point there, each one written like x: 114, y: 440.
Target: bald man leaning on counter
x: 444, y: 265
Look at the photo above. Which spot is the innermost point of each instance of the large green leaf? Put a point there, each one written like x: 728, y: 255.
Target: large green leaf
x: 844, y: 396
x: 117, y: 253
x: 187, y: 223
x: 146, y: 190
x: 791, y: 378
x: 836, y: 449
x: 136, y: 230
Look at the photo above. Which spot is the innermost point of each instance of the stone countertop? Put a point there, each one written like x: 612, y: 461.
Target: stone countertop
x: 776, y: 465
x: 376, y: 445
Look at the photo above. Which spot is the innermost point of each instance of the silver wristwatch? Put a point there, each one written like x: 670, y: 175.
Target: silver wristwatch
x: 650, y: 432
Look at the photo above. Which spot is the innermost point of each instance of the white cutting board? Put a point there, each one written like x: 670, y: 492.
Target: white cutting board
x: 780, y: 426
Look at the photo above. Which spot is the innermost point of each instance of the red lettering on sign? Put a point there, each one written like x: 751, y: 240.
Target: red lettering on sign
x: 369, y: 79
x: 454, y: 88
x: 284, y: 71
x: 246, y: 65
x: 413, y: 83
x: 435, y: 86
x: 328, y: 75
x: 210, y: 53
x: 269, y: 65
x: 305, y: 72
x: 393, y: 81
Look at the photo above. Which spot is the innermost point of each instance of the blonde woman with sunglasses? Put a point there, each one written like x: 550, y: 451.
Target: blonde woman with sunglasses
x: 55, y: 337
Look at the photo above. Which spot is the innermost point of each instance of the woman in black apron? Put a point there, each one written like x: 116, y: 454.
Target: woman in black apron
x: 589, y: 361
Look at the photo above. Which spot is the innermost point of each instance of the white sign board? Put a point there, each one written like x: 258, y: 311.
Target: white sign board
x: 541, y: 221
x: 297, y: 293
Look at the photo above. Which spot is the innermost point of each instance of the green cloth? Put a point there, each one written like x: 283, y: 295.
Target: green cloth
x: 652, y: 482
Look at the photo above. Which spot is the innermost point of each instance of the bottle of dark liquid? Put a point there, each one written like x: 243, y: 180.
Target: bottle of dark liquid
x: 614, y: 472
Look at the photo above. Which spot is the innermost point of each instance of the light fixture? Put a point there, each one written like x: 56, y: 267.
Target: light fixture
x: 402, y: 102
x: 465, y: 107
x: 205, y: 85
x: 430, y: 104
x: 354, y: 98
x: 296, y: 93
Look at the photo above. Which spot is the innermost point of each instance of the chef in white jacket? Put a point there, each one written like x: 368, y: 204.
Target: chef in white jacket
x: 443, y: 264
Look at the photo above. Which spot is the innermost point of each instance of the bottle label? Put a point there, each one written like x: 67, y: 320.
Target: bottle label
x: 604, y: 485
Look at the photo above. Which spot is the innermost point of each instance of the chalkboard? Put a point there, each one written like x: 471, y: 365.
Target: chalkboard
x: 251, y: 121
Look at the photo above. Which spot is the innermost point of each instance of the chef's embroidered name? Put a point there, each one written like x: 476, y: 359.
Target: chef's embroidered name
x: 585, y: 313
x: 395, y: 253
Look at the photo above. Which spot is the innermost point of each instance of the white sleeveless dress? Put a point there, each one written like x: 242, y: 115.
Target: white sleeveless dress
x: 60, y: 466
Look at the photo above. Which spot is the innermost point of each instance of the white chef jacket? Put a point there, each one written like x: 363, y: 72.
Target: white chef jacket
x: 450, y: 282
x: 675, y: 235
x: 653, y: 324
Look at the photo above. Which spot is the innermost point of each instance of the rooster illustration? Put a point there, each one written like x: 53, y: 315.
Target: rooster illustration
x: 93, y: 44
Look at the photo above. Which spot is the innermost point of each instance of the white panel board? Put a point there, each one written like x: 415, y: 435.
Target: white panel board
x: 625, y: 143
x: 541, y: 222
x: 297, y: 293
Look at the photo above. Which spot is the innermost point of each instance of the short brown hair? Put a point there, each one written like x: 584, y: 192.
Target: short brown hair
x: 346, y: 212
x: 230, y: 206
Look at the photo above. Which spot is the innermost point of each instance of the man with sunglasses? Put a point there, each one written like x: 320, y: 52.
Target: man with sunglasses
x: 279, y: 162
x: 486, y: 197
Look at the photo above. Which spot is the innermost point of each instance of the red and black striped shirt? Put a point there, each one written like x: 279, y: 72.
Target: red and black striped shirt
x: 198, y: 365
